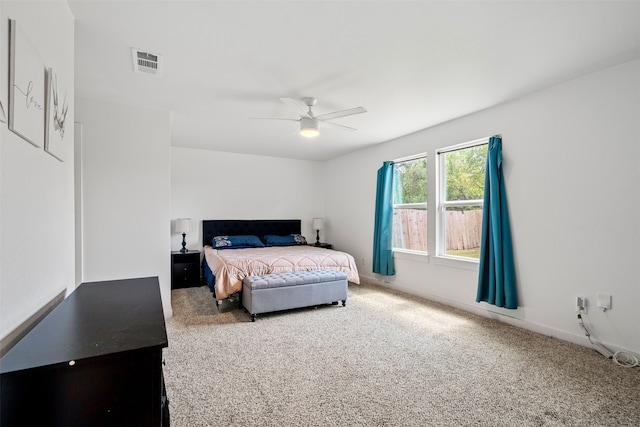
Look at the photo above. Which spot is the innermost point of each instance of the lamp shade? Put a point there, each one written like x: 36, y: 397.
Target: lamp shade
x: 309, y: 127
x: 317, y: 223
x: 183, y: 225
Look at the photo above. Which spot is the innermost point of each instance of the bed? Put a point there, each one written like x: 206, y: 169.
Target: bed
x: 232, y: 251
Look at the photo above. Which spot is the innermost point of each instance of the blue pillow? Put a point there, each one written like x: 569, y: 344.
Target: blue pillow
x: 290, y: 240
x: 236, y: 242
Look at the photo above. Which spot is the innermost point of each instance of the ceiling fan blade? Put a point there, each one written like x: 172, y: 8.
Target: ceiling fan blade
x: 294, y: 103
x: 337, y: 126
x: 341, y: 113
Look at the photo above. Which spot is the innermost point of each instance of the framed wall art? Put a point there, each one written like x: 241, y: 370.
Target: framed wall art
x: 3, y: 114
x: 57, y: 107
x: 26, y: 88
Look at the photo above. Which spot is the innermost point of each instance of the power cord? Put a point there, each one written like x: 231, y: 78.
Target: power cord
x: 599, y: 347
x: 626, y: 359
x: 621, y: 358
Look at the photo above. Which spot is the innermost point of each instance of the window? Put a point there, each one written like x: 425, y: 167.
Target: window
x: 410, y: 203
x: 461, y: 175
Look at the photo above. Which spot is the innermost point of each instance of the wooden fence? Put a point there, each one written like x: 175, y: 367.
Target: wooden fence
x: 410, y: 229
x: 463, y: 229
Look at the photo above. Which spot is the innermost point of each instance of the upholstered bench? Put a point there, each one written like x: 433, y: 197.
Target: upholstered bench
x: 284, y: 291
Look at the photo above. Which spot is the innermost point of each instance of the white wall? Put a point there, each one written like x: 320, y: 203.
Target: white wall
x: 37, y: 199
x: 573, y: 184
x: 126, y: 197
x: 217, y: 185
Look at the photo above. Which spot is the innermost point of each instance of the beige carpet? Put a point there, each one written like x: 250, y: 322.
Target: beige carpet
x: 386, y: 359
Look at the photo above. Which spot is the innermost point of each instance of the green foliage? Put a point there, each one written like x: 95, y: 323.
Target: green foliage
x: 465, y: 173
x: 410, y: 181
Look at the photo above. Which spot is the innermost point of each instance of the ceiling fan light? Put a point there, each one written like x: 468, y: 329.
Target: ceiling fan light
x: 309, y: 133
x: 309, y: 127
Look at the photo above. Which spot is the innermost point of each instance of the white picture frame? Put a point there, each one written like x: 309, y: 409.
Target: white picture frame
x: 26, y: 88
x: 57, y: 107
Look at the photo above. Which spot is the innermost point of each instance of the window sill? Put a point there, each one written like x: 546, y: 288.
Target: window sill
x: 414, y: 256
x: 456, y: 262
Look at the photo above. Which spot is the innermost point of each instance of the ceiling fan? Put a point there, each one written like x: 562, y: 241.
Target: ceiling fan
x: 309, y: 122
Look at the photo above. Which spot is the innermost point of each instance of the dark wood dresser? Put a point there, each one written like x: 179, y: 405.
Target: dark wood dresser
x: 95, y: 360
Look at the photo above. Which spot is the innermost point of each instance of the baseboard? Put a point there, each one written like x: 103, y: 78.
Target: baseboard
x: 23, y: 329
x: 502, y: 317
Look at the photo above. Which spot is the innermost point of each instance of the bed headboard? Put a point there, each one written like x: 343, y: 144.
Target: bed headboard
x: 256, y: 227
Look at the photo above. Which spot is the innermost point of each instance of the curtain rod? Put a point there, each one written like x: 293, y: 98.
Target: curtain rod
x: 445, y: 150
x: 468, y: 144
x: 408, y: 158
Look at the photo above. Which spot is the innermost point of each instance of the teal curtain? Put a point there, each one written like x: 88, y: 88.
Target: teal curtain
x: 496, y: 279
x: 382, y: 243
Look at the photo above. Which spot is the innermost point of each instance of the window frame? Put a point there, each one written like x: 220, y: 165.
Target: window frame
x: 442, y: 204
x: 424, y: 205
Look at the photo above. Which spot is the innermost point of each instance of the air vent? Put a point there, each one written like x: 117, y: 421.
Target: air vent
x: 146, y: 62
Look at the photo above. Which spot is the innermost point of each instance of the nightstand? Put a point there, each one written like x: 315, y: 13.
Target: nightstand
x: 322, y: 245
x: 185, y: 269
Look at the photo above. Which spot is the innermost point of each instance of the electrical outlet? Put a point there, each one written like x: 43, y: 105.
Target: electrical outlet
x: 362, y: 260
x: 581, y: 305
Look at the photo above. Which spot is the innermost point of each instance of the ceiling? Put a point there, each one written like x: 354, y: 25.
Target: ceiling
x: 411, y: 64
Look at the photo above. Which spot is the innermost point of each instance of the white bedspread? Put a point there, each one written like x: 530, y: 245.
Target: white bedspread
x: 230, y: 266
